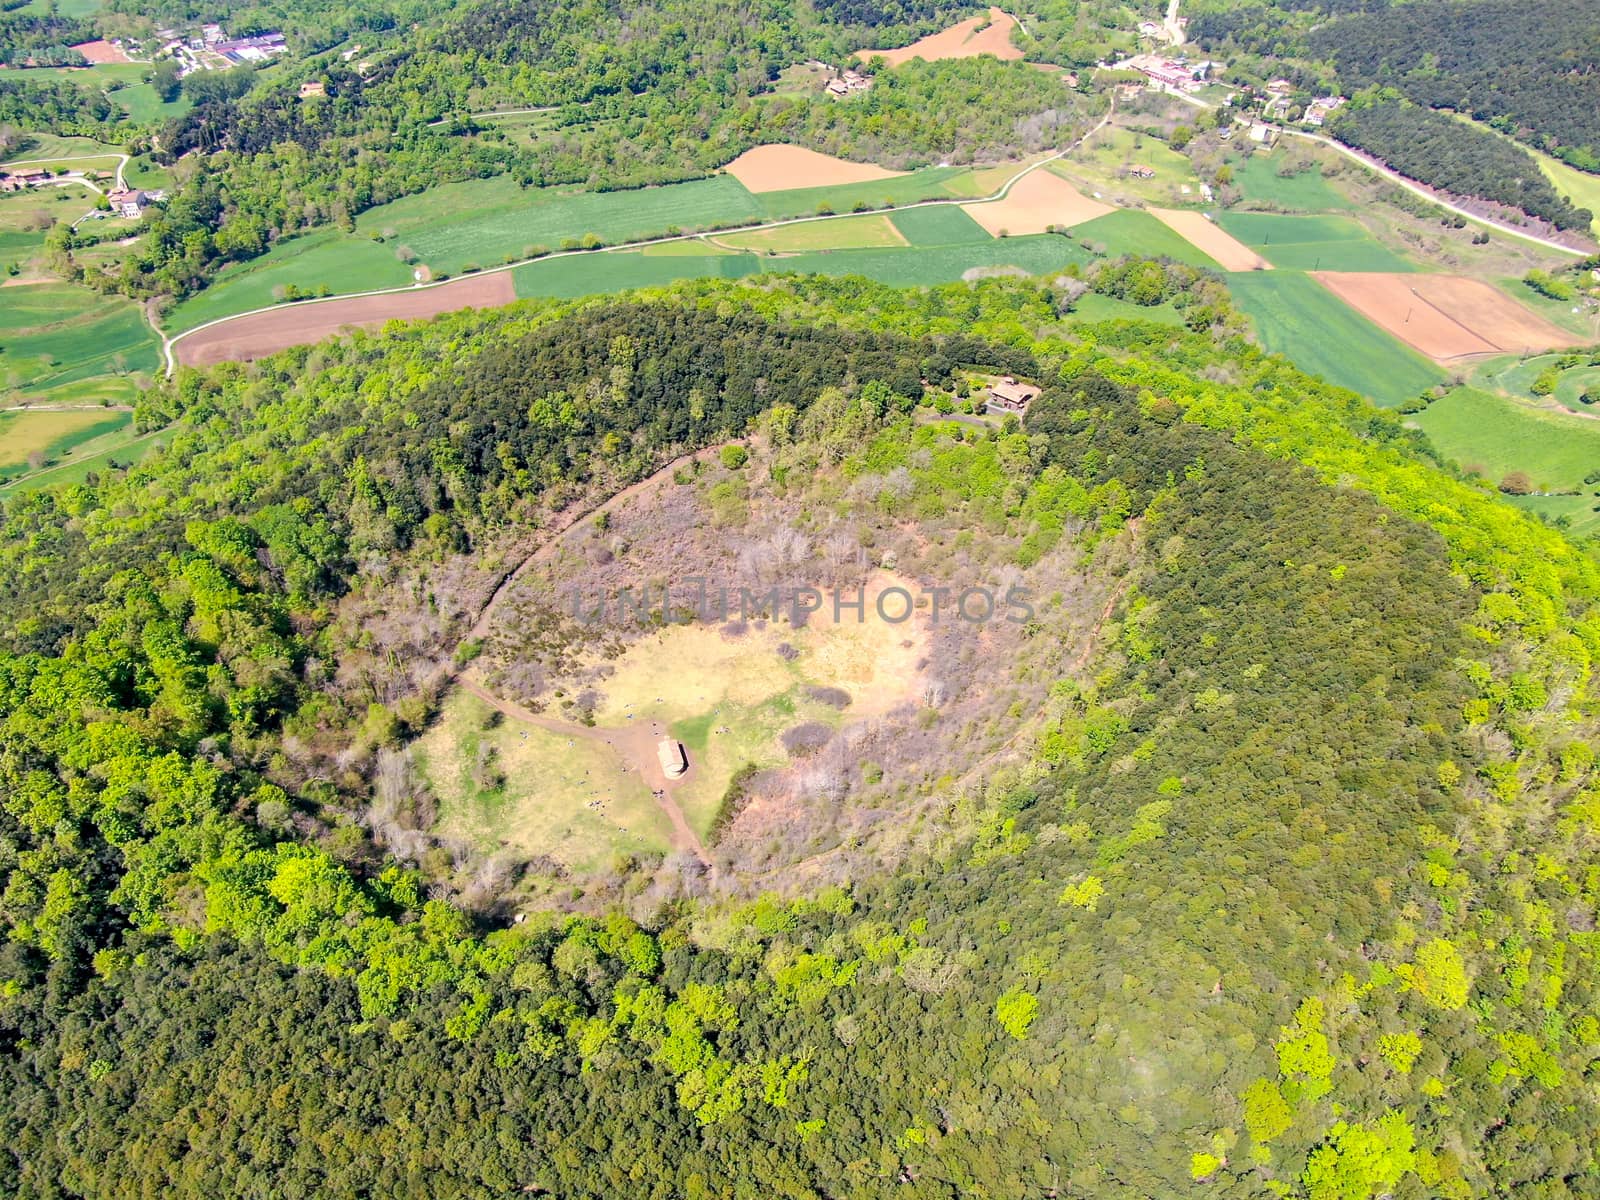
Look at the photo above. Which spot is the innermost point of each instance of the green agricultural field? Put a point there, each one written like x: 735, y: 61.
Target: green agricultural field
x: 1258, y: 180
x: 39, y: 438
x: 688, y: 247
x: 56, y: 334
x: 900, y: 266
x: 620, y: 270
x: 144, y: 107
x: 1517, y: 377
x: 925, y: 266
x: 1312, y: 243
x: 840, y: 234
x: 53, y: 145
x: 117, y: 450
x: 534, y: 789
x: 930, y: 183
x: 1297, y: 317
x: 1104, y: 163
x: 66, y: 8
x: 28, y: 308
x: 95, y: 77
x: 490, y: 221
x: 939, y: 225
x: 1493, y: 436
x: 1133, y: 231
x: 329, y: 259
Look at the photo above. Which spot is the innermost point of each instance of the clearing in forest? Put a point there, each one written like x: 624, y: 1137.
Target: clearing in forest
x: 781, y: 167
x: 503, y: 781
x: 100, y: 52
x: 44, y: 435
x: 970, y: 38
x: 1203, y: 234
x: 256, y: 335
x: 1447, y: 317
x: 733, y: 694
x: 731, y: 699
x: 1036, y: 202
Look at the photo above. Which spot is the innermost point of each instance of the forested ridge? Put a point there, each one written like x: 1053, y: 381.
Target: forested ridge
x: 1444, y: 152
x: 1527, y: 68
x: 1294, y: 891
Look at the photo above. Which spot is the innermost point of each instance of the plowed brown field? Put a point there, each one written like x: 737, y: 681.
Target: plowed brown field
x: 256, y: 335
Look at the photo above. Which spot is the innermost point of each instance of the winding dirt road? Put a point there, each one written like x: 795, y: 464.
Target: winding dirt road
x: 635, y: 745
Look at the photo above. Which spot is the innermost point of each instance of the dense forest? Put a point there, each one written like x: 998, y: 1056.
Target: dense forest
x: 1291, y: 889
x: 1448, y: 154
x: 1528, y: 68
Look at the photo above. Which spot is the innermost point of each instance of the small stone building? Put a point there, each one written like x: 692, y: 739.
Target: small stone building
x: 673, y: 761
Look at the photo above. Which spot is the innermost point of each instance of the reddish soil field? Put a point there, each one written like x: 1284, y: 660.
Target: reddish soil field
x: 959, y: 41
x: 780, y: 167
x: 1447, y: 317
x: 1035, y: 202
x: 256, y: 335
x: 101, y: 52
x: 1192, y: 227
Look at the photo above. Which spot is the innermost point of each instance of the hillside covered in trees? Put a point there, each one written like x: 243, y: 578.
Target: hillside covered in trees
x: 1454, y: 156
x: 1290, y: 887
x: 1528, y: 70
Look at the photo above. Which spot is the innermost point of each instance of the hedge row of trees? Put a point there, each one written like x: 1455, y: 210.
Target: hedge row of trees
x: 1446, y: 153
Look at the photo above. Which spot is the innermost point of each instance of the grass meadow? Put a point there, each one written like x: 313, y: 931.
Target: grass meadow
x: 1493, y: 436
x: 54, y: 335
x: 1297, y: 317
x: 1312, y: 243
x: 843, y: 233
x: 1257, y: 178
x: 1133, y: 231
x: 939, y: 225
x: 535, y: 789
x: 44, y: 436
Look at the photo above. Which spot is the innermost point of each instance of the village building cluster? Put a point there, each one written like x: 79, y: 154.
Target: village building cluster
x: 848, y: 83
x: 210, y: 49
x: 1171, y: 74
